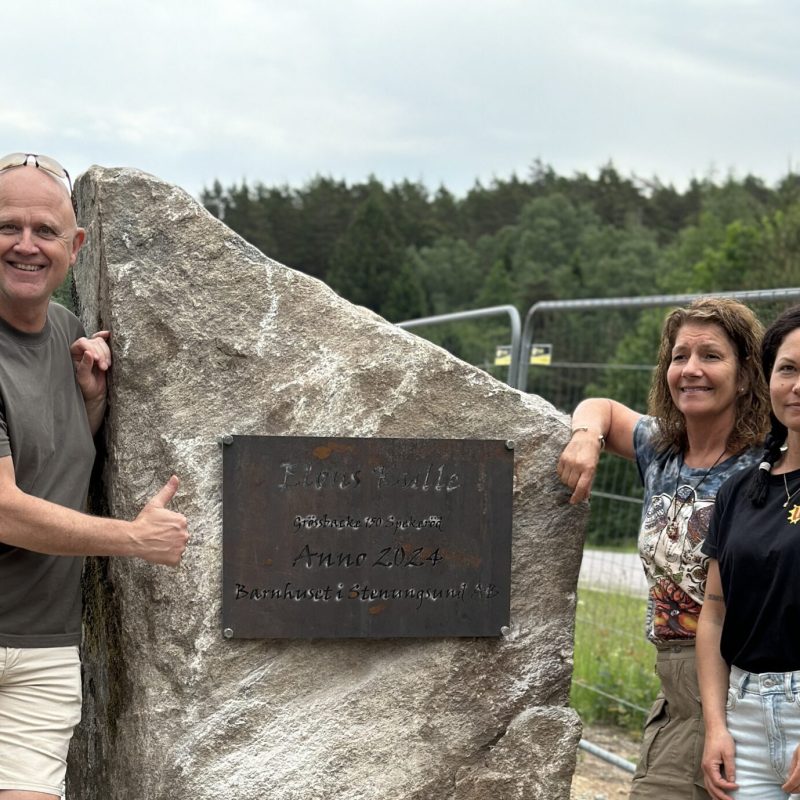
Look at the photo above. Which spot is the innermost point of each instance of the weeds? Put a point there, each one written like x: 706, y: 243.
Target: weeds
x: 613, y: 681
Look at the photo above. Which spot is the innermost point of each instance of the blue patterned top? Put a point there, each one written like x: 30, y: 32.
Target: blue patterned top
x: 678, y: 503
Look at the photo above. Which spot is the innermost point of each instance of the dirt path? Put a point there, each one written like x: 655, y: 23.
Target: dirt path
x: 596, y: 779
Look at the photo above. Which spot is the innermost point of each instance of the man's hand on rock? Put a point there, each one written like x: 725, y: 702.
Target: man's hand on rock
x: 92, y: 359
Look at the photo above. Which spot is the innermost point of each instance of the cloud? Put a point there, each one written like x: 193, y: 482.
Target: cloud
x: 447, y: 90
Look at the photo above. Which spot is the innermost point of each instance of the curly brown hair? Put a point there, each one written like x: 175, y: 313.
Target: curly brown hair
x: 752, y: 406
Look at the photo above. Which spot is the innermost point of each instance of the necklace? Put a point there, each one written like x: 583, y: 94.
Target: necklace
x: 685, y: 496
x: 788, y: 496
x: 794, y: 512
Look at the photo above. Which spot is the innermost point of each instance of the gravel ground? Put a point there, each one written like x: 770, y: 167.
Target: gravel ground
x: 596, y: 779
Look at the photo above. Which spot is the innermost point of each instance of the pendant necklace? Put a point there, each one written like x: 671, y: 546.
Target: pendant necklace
x: 684, y: 495
x: 794, y: 512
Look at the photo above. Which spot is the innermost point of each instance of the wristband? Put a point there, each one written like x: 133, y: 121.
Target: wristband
x: 582, y: 428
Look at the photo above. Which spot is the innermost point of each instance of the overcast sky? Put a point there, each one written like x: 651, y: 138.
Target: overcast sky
x: 443, y: 91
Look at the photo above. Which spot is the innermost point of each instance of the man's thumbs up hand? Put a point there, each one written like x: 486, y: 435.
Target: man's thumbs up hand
x: 160, y: 535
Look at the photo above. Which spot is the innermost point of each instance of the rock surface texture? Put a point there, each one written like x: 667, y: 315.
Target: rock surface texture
x: 211, y: 337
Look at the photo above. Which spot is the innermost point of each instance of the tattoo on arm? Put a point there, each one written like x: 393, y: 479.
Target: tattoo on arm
x: 718, y: 597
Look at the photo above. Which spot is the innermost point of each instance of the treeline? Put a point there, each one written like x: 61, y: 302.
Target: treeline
x: 406, y: 252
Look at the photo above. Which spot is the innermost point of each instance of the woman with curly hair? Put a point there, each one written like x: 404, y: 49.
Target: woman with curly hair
x: 748, y: 649
x: 708, y: 412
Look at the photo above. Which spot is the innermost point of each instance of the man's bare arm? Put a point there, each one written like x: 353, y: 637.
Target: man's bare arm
x: 157, y: 534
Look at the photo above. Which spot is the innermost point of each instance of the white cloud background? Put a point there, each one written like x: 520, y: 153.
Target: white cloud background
x: 445, y: 91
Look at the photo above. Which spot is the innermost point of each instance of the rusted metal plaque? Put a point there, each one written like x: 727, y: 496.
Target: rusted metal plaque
x: 365, y: 537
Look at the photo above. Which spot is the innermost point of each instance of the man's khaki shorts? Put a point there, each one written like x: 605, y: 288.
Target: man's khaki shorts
x: 40, y: 704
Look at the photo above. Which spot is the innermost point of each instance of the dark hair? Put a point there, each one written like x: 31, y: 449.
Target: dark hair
x: 744, y: 330
x: 787, y: 322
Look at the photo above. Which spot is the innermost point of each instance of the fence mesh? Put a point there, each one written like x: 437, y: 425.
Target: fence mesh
x: 610, y: 352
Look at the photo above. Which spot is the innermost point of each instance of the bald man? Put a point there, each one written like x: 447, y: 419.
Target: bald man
x: 52, y: 402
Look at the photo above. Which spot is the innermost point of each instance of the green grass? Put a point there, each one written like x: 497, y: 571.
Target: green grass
x: 613, y: 681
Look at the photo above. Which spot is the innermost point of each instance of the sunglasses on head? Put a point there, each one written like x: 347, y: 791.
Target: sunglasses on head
x: 42, y: 162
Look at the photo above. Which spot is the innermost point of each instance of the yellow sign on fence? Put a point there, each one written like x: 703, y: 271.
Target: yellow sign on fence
x: 540, y: 355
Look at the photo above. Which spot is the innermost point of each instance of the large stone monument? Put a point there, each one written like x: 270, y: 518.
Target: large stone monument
x: 210, y: 337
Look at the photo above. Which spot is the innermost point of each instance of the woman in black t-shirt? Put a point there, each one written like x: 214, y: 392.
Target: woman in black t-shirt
x: 748, y: 638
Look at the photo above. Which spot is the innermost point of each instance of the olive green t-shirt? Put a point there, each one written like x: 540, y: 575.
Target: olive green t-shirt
x: 45, y: 430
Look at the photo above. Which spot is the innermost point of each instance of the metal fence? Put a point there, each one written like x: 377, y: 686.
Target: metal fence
x: 607, y: 347
x: 482, y: 313
x: 614, y: 680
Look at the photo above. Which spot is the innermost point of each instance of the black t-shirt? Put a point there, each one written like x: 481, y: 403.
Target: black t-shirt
x: 758, y: 550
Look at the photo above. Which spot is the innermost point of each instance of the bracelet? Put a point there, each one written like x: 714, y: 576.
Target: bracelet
x: 582, y: 428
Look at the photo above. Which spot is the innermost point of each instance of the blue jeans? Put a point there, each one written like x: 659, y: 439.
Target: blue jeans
x: 763, y: 715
